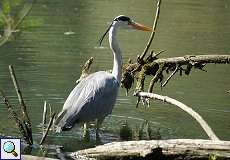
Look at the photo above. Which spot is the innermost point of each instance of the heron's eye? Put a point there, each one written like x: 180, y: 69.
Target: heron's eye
x: 129, y: 22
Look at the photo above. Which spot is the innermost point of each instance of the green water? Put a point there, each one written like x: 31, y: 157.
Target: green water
x: 47, y: 64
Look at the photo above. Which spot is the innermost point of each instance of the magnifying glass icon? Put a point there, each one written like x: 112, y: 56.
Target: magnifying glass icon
x: 9, y: 147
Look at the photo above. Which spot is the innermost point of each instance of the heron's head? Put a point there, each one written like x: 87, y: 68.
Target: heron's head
x: 125, y: 22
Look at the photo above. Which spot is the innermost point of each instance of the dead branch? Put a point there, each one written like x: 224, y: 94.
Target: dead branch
x: 185, y: 108
x: 26, y: 118
x: 171, y: 149
x: 44, y: 116
x: 47, y: 130
x: 19, y: 94
x: 157, y: 76
x: 171, y: 75
x: 195, y: 59
x: 151, y: 66
x: 12, y: 24
x: 157, y: 15
x: 20, y: 124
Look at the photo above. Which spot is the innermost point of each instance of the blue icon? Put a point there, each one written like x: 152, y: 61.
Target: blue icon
x: 9, y: 147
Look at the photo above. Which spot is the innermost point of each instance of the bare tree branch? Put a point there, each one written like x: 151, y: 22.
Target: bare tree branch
x: 44, y: 116
x: 151, y: 66
x: 25, y: 115
x: 157, y: 15
x: 20, y: 124
x: 193, y: 59
x: 185, y: 108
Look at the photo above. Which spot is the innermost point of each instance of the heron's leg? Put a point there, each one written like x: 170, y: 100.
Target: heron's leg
x: 97, y: 128
x: 98, y: 125
x: 85, y: 131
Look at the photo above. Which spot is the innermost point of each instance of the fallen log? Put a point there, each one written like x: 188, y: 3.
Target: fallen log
x: 159, y: 149
x: 29, y: 157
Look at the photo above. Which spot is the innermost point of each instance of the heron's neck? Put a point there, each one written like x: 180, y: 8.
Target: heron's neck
x: 117, y: 57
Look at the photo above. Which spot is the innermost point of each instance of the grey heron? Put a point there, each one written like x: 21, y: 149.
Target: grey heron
x: 94, y: 97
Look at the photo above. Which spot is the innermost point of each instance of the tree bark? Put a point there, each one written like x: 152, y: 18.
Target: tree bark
x: 195, y: 59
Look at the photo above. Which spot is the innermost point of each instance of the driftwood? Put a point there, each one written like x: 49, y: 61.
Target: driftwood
x: 159, y: 149
x: 29, y: 157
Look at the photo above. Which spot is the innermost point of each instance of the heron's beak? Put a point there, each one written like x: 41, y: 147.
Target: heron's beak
x: 139, y: 26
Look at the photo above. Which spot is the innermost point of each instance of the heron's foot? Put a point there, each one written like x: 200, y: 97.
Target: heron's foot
x: 98, y: 138
x: 97, y: 133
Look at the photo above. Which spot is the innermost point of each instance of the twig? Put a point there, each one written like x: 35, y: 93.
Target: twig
x: 185, y: 108
x: 11, y: 27
x: 48, y: 128
x: 24, y: 12
x: 26, y: 119
x: 156, y: 77
x: 44, y: 116
x: 158, y: 53
x: 50, y: 110
x: 153, y: 32
x: 19, y: 94
x: 171, y: 75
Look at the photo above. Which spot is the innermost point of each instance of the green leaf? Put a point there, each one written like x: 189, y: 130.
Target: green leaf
x: 6, y: 7
x: 14, y: 3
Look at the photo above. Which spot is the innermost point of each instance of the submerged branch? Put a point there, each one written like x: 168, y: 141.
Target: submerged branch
x: 185, y: 108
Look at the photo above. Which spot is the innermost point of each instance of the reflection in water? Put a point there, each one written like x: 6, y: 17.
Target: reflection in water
x: 47, y: 64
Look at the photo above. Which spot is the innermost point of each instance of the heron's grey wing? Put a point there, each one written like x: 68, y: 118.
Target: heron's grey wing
x: 92, y: 98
